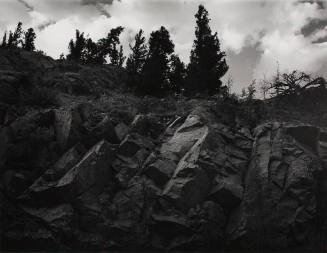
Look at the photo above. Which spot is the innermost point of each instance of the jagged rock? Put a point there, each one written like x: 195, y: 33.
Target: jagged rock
x: 22, y: 231
x: 201, y: 228
x: 28, y: 146
x: 66, y: 162
x: 306, y: 135
x: 146, y: 125
x: 58, y: 218
x: 227, y: 193
x: 170, y: 231
x: 160, y: 171
x: 92, y: 173
x: 83, y: 123
x: 5, y: 139
x: 279, y: 203
x: 27, y: 234
x: 15, y: 182
x: 43, y: 188
x: 132, y: 153
x: 208, y: 222
x: 7, y: 115
x: 121, y: 130
x: 9, y: 83
x: 67, y: 127
x: 127, y: 167
x: 133, y: 143
x: 203, y: 150
x: 130, y: 210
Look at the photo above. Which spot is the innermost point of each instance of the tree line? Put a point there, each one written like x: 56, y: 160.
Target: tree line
x: 19, y: 38
x: 153, y: 67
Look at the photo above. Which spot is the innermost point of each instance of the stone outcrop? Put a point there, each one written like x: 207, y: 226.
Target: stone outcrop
x: 279, y: 204
x: 194, y: 183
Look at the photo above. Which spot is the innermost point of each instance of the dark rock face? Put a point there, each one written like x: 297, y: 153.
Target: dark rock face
x: 195, y: 183
x: 279, y: 206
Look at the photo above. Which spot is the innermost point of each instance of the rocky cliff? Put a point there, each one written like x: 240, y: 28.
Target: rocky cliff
x: 76, y: 176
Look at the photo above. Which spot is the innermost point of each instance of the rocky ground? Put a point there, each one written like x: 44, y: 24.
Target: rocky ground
x: 94, y: 168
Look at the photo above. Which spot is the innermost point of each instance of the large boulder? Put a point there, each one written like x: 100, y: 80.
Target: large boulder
x: 201, y: 228
x: 28, y: 147
x: 84, y: 123
x: 210, y: 158
x: 92, y: 173
x: 24, y: 232
x: 43, y: 189
x: 279, y: 202
x: 132, y: 153
x: 58, y: 218
x: 146, y: 125
x: 130, y: 211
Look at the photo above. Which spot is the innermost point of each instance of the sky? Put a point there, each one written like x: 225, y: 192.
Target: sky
x: 257, y: 35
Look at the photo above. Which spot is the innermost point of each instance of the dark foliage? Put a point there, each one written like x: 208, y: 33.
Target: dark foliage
x: 207, y: 61
x: 4, y: 40
x: 294, y: 83
x: 136, y: 60
x: 29, y: 40
x: 177, y: 74
x: 77, y: 47
x: 84, y: 50
x: 15, y: 39
x: 156, y: 68
x: 111, y: 45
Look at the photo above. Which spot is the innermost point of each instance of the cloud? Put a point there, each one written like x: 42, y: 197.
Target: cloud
x: 255, y: 34
x: 100, y: 5
x: 46, y: 24
x: 28, y: 6
x: 320, y: 4
x: 320, y: 40
x: 95, y: 2
x: 313, y: 25
x: 102, y: 9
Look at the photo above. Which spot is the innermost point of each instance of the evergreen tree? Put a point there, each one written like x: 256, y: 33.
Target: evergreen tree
x: 155, y: 72
x: 10, y: 39
x: 93, y: 53
x: 177, y: 74
x: 77, y: 48
x: 4, y: 40
x: 111, y: 44
x: 117, y: 58
x: 29, y: 43
x: 16, y: 37
x: 207, y: 61
x: 136, y: 60
x: 121, y: 57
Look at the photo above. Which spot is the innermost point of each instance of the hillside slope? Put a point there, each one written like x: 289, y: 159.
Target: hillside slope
x: 86, y: 165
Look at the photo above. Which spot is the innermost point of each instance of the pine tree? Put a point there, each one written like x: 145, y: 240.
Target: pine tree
x: 136, y: 60
x: 77, y: 48
x: 155, y: 73
x: 29, y: 42
x: 177, y: 74
x: 111, y: 44
x: 121, y: 57
x: 10, y: 39
x: 117, y: 58
x: 4, y: 40
x: 16, y: 37
x: 93, y: 53
x: 207, y: 61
